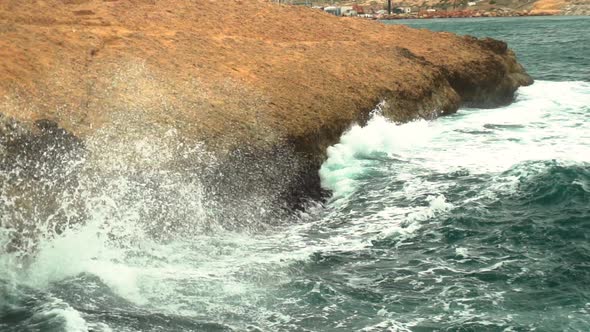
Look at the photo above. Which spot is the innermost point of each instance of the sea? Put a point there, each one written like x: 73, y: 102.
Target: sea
x: 476, y: 221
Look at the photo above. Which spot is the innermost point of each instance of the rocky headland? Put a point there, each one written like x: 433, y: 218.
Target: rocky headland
x: 562, y: 7
x: 264, y: 88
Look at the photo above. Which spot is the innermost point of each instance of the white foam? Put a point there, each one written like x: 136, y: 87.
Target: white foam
x: 548, y: 121
x: 72, y: 319
x: 230, y: 272
x: 388, y: 325
x: 379, y: 137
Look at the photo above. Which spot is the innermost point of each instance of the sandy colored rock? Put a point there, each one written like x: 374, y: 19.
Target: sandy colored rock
x: 235, y: 74
x: 562, y: 7
x: 552, y: 7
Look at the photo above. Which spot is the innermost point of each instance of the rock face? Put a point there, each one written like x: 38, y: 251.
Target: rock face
x: 242, y: 77
x: 562, y: 7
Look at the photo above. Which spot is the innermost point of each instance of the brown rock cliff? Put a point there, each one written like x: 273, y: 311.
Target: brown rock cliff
x: 236, y: 75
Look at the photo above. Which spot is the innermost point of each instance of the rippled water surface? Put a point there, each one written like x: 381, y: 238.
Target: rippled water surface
x: 479, y: 221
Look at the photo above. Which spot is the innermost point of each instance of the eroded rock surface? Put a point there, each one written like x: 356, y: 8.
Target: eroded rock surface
x: 243, y: 78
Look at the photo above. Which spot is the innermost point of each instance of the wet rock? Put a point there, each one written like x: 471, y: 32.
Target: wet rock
x: 38, y: 171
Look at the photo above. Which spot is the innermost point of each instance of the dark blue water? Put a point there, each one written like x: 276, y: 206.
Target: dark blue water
x: 479, y: 221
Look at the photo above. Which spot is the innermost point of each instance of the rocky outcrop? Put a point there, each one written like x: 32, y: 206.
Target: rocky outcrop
x: 562, y: 7
x: 243, y: 77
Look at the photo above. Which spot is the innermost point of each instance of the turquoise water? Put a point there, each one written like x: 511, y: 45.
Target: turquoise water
x: 479, y: 221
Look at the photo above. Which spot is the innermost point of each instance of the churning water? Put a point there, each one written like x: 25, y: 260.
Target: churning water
x: 479, y: 221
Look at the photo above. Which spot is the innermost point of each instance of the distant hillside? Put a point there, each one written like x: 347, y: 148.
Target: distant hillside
x: 556, y: 7
x: 565, y: 7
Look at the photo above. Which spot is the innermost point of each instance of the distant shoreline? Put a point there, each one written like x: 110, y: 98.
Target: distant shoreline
x: 476, y: 17
x: 462, y: 14
x: 475, y: 9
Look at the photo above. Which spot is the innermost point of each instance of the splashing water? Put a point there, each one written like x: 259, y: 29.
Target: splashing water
x: 475, y: 221
x: 397, y: 188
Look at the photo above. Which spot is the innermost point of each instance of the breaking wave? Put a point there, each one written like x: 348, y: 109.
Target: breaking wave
x: 464, y: 222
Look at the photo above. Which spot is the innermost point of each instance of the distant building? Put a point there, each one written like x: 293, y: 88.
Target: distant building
x: 359, y: 9
x: 471, y: 3
x: 402, y: 10
x: 348, y: 11
x: 431, y: 10
x: 333, y: 10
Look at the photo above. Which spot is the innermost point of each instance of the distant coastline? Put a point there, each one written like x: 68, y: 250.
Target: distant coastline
x: 464, y: 9
x: 464, y: 14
